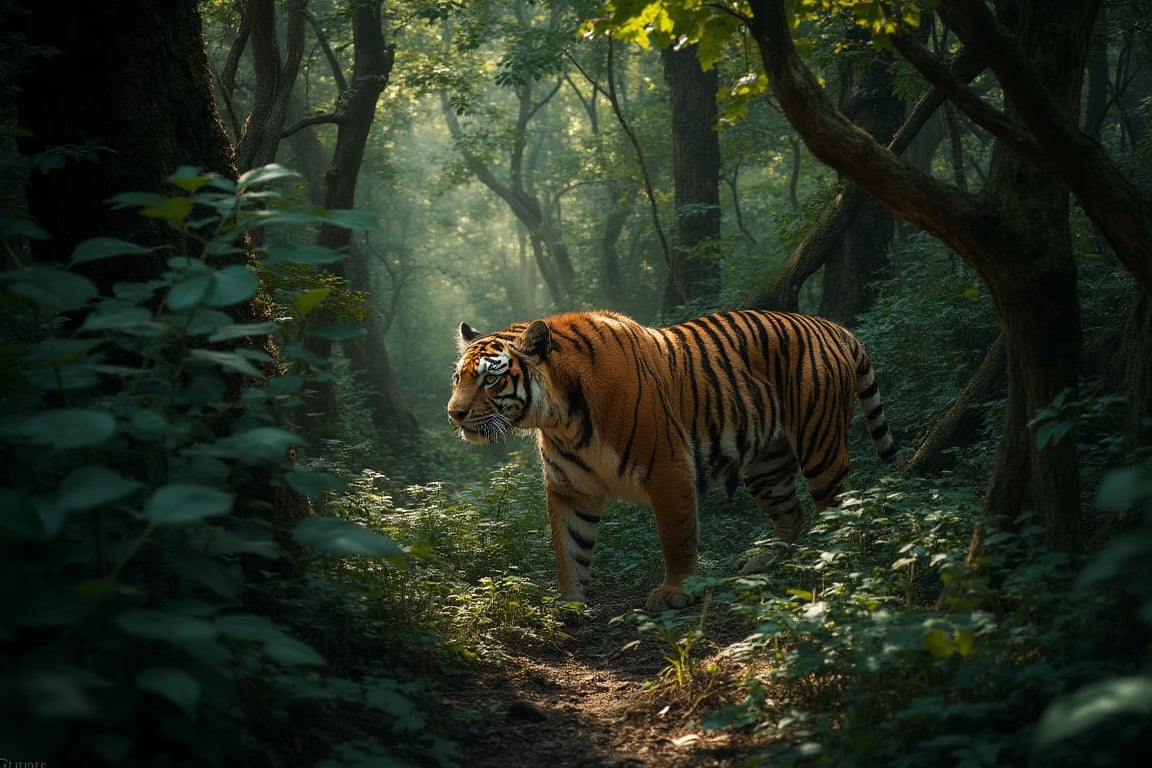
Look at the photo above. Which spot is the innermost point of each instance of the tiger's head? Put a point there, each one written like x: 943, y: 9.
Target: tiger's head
x: 496, y: 382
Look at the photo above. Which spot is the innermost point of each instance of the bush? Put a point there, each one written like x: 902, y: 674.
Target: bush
x: 146, y: 447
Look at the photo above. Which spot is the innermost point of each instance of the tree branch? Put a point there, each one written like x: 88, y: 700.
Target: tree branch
x: 1117, y: 206
x: 1009, y: 131
x: 305, y: 122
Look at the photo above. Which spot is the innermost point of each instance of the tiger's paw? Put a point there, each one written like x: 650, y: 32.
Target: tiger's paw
x: 666, y: 598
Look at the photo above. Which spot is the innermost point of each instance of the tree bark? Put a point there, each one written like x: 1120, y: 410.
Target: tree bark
x: 860, y: 256
x: 159, y: 116
x: 275, y: 78
x: 695, y: 268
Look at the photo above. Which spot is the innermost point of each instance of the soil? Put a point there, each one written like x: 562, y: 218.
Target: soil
x: 593, y: 703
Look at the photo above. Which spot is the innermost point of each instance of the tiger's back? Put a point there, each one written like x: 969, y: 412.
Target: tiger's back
x: 655, y: 415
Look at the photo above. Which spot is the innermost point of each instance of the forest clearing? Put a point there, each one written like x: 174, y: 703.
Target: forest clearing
x: 801, y: 352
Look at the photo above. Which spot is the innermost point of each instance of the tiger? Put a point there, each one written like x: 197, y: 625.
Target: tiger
x: 653, y: 416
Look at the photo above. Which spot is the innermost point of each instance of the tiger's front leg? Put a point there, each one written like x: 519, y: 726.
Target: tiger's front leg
x: 674, y: 506
x: 575, y: 521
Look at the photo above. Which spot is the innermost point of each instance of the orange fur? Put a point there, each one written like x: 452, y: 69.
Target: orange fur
x: 654, y: 415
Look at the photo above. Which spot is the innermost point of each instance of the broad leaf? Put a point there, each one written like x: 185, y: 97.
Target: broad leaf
x: 105, y: 248
x: 288, y: 253
x: 185, y: 503
x: 56, y: 290
x: 173, y: 684
x: 277, y: 643
x: 64, y: 428
x: 264, y: 175
x: 309, y: 300
x: 336, y: 536
x: 262, y: 445
x: 313, y: 484
x: 170, y: 626
x: 91, y: 486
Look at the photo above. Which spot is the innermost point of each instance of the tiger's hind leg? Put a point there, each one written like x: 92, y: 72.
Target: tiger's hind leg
x: 771, y: 480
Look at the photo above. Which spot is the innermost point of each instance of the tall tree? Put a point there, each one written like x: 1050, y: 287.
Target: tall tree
x: 353, y: 113
x: 694, y: 273
x: 160, y: 116
x: 860, y: 257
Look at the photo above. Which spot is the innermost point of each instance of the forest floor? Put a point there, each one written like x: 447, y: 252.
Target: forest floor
x: 597, y: 702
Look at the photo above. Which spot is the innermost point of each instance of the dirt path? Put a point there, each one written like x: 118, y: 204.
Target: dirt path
x: 592, y: 704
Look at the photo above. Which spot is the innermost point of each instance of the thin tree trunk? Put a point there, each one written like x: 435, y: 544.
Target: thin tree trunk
x: 695, y: 271
x: 960, y: 424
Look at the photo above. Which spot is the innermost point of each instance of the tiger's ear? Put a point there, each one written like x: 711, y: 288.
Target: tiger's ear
x: 468, y: 334
x: 536, y: 340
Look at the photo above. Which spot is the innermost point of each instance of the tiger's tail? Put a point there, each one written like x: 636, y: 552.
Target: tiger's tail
x: 872, y: 406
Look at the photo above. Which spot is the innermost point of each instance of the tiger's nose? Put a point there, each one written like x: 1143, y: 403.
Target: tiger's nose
x: 457, y: 414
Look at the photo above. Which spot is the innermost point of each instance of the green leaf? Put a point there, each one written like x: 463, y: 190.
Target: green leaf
x: 232, y: 285
x: 190, y: 179
x: 350, y: 219
x: 308, y: 300
x: 243, y: 330
x: 1051, y: 433
x: 262, y: 445
x: 170, y: 626
x: 105, y: 248
x: 336, y: 536
x: 173, y: 684
x: 264, y: 175
x: 1124, y: 488
x: 113, y: 315
x: 91, y: 486
x: 63, y: 429
x: 288, y: 253
x: 939, y: 644
x: 172, y: 209
x: 203, y: 569
x: 278, y: 644
x: 285, y: 385
x: 22, y: 228
x: 19, y: 516
x: 207, y: 321
x: 313, y: 484
x: 56, y: 290
x: 229, y: 361
x: 189, y: 293
x: 1096, y: 704
x: 185, y: 503
x: 137, y: 200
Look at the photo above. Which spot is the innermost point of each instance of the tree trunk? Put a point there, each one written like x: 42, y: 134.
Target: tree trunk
x: 695, y: 272
x: 159, y: 116
x: 371, y: 69
x: 960, y: 425
x: 861, y: 255
x: 275, y: 78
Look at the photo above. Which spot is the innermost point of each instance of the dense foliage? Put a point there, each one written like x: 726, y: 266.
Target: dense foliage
x: 195, y: 575
x: 161, y: 612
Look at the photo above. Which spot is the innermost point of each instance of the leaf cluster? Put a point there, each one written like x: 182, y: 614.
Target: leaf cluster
x: 147, y: 447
